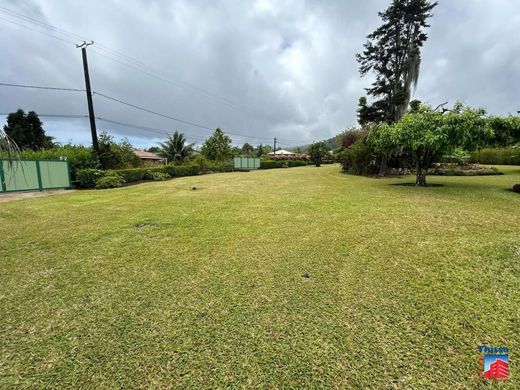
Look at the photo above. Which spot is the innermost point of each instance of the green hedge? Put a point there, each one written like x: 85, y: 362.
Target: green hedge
x: 271, y: 164
x: 88, y: 177
x: 499, y: 156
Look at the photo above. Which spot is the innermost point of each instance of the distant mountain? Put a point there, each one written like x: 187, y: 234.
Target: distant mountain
x: 331, y: 144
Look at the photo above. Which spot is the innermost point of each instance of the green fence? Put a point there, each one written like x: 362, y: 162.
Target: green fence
x: 246, y: 163
x: 31, y: 175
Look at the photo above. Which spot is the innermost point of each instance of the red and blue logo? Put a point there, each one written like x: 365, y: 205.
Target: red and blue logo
x: 495, y: 362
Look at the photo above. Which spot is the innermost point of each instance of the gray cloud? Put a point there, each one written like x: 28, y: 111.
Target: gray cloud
x: 261, y: 68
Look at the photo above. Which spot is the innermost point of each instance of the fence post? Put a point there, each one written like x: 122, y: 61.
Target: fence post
x: 39, y: 174
x: 70, y: 173
x: 2, y: 177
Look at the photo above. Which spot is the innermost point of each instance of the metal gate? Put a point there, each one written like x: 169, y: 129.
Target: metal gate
x: 246, y: 163
x: 32, y: 175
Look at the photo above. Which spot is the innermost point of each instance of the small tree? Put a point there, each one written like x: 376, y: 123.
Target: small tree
x: 175, y: 148
x: 247, y: 149
x: 317, y: 151
x: 259, y: 151
x: 217, y: 147
x: 26, y: 131
x: 113, y: 155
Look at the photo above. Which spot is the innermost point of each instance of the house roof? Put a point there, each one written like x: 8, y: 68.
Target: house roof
x: 146, y: 155
x: 282, y: 152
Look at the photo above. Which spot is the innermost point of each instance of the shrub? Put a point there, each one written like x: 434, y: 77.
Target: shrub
x: 463, y: 170
x: 183, y: 170
x: 133, y: 174
x: 88, y: 177
x: 516, y: 188
x: 271, y: 164
x: 359, y: 159
x: 110, y: 180
x: 156, y: 175
x: 458, y: 156
x: 499, y: 156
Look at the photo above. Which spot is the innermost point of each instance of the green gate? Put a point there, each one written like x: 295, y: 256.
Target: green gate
x: 246, y: 163
x: 31, y: 175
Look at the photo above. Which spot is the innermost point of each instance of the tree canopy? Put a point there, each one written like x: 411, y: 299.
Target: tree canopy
x: 217, y: 147
x: 422, y: 137
x: 317, y: 151
x: 26, y: 131
x: 175, y: 148
x: 392, y: 52
x: 116, y: 155
x: 247, y: 149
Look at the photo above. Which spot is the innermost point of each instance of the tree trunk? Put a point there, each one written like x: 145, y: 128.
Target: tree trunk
x: 420, y: 179
x: 383, y: 166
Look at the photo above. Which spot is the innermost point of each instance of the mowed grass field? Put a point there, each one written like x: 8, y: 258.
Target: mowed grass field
x: 287, y: 278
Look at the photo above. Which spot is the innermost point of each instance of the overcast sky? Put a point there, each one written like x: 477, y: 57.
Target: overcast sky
x: 263, y: 69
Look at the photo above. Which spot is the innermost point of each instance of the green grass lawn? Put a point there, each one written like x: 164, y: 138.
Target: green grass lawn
x: 157, y: 285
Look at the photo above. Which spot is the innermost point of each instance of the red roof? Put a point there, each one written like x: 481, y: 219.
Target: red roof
x: 146, y: 155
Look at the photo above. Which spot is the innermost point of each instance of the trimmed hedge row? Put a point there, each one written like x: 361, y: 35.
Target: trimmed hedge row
x: 499, y: 156
x: 88, y: 178
x: 271, y: 164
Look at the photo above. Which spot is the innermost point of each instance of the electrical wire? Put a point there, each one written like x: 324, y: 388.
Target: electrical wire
x: 130, y: 62
x: 41, y: 87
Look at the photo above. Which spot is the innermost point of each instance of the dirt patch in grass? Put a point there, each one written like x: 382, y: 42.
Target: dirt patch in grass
x: 9, y: 196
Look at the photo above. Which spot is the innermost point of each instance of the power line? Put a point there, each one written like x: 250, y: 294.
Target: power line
x: 129, y: 61
x: 170, y: 117
x: 120, y: 101
x: 71, y: 116
x: 151, y: 111
x: 41, y: 87
x: 38, y: 31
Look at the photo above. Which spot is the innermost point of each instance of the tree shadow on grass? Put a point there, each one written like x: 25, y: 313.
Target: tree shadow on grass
x: 413, y: 185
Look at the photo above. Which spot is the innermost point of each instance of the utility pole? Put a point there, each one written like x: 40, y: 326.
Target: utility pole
x: 274, y: 150
x: 91, y: 116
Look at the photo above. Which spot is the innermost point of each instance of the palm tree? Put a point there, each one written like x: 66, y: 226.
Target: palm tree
x: 175, y: 148
x: 8, y: 148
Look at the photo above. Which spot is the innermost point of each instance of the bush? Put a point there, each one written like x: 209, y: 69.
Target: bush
x: 359, y: 159
x: 182, y: 170
x: 516, y: 188
x: 271, y: 164
x: 458, y: 156
x: 88, y: 177
x: 110, y: 180
x: 156, y: 176
x: 133, y: 174
x: 462, y: 170
x: 499, y: 156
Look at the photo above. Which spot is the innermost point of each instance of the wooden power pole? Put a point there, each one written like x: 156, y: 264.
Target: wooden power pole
x: 91, y: 116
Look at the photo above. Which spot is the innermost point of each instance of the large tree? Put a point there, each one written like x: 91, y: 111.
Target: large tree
x: 392, y: 52
x: 422, y: 137
x: 26, y: 131
x: 175, y: 148
x: 217, y: 147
